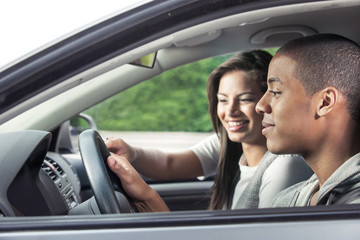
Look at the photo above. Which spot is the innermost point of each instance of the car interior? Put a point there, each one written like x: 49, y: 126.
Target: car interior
x: 43, y: 174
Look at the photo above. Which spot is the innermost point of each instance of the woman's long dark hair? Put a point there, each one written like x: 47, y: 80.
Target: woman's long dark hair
x: 255, y: 64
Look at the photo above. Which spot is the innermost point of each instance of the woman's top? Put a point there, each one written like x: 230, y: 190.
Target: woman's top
x: 255, y: 186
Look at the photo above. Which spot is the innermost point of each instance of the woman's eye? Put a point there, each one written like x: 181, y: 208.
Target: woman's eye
x: 222, y: 100
x: 246, y: 100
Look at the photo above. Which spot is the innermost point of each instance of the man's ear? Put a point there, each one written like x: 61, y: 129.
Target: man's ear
x: 328, y: 97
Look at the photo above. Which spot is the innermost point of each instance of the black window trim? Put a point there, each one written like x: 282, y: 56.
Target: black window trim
x: 183, y: 218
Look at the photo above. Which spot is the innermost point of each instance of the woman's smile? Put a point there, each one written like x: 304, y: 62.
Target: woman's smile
x: 237, y: 125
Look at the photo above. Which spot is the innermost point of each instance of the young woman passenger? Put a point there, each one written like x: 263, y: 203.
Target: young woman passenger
x: 248, y: 176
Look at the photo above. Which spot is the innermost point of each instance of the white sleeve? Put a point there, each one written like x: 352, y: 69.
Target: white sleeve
x: 283, y: 172
x: 208, y: 153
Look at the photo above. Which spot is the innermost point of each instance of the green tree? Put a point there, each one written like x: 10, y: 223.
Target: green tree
x: 173, y: 101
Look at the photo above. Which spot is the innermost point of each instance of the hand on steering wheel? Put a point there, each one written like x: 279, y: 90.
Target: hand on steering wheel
x: 103, y: 181
x: 132, y: 182
x: 145, y: 198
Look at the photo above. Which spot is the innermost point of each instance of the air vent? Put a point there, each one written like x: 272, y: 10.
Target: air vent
x: 52, y: 168
x: 49, y: 170
x: 56, y: 165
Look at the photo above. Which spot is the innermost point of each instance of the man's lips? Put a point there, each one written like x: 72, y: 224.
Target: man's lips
x: 267, y: 127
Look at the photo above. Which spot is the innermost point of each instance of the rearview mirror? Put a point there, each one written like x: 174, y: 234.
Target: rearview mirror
x: 147, y: 61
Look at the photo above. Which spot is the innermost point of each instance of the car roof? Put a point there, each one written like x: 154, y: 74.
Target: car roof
x: 94, y: 61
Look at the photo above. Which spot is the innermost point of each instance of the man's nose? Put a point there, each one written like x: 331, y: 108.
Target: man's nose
x: 263, y: 106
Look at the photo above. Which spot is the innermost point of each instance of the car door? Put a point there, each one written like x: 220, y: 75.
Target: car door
x: 193, y: 194
x: 332, y: 222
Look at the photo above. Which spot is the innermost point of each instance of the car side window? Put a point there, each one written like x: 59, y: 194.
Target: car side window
x: 168, y: 112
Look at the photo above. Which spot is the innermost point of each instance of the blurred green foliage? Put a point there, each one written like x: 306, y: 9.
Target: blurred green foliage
x: 173, y: 101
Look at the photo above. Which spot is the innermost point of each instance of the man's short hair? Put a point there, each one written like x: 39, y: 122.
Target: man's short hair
x: 325, y: 60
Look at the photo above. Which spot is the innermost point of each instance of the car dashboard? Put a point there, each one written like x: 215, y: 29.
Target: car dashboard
x: 38, y: 179
x: 35, y: 182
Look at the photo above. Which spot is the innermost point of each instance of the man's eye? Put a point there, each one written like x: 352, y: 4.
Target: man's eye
x: 274, y: 93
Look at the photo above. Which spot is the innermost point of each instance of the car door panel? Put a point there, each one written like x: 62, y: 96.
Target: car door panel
x: 185, y: 195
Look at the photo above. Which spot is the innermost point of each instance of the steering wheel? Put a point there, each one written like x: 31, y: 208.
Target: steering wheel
x: 94, y: 154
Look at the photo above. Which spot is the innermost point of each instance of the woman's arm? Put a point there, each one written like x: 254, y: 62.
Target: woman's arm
x: 157, y: 164
x: 145, y: 198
